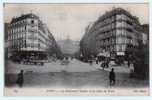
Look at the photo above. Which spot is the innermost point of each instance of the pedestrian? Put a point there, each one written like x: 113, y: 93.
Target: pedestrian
x: 131, y: 70
x: 97, y: 60
x: 20, y: 78
x: 90, y: 61
x: 107, y: 64
x: 103, y: 65
x: 128, y: 63
x: 112, y: 77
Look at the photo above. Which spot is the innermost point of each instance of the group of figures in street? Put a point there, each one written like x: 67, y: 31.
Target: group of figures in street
x: 112, y: 75
x: 66, y: 61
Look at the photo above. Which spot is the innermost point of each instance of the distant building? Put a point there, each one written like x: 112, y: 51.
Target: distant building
x: 29, y: 37
x: 113, y: 32
x: 68, y: 46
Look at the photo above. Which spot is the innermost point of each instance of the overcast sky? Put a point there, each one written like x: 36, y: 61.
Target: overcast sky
x: 71, y: 19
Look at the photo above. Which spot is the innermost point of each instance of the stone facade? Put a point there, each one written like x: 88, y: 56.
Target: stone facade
x: 28, y: 36
x: 113, y: 32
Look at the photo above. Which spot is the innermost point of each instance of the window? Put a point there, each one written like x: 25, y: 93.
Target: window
x: 129, y: 22
x: 119, y: 24
x: 32, y: 21
x: 129, y: 29
x: 25, y: 27
x: 113, y: 25
x: 119, y: 17
x: 120, y: 40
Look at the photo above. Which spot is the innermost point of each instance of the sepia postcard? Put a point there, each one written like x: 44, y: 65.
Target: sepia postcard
x: 76, y: 49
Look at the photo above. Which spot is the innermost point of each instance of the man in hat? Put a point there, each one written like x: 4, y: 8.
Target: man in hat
x: 112, y: 77
x: 20, y: 79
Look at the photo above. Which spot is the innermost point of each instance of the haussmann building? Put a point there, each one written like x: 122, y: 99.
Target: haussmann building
x: 113, y: 32
x: 29, y: 38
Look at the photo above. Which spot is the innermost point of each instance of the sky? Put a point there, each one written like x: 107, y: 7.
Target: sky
x: 70, y: 20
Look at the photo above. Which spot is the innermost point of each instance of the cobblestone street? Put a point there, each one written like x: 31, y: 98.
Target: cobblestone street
x: 74, y: 75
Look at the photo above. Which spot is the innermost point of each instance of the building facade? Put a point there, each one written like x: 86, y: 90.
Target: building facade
x: 113, y: 32
x: 145, y: 33
x: 30, y: 38
x: 6, y: 25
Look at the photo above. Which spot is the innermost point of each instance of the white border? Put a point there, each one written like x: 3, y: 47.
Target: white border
x: 65, y: 1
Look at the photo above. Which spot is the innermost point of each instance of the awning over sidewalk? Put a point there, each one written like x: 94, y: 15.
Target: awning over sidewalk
x: 105, y: 54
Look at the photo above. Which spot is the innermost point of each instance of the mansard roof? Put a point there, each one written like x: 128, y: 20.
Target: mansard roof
x: 24, y: 16
x: 118, y: 11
